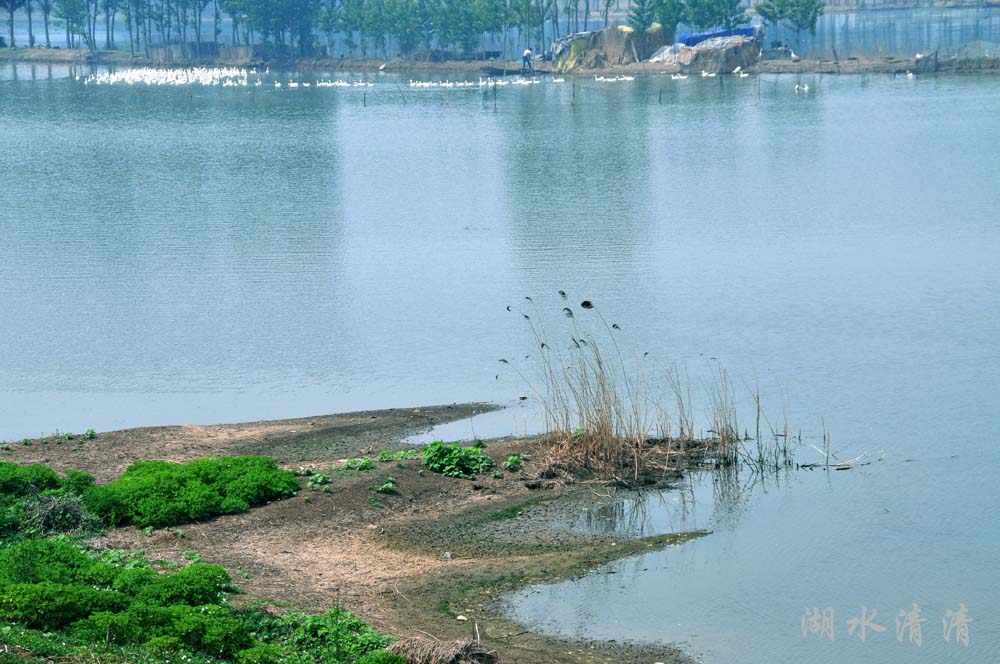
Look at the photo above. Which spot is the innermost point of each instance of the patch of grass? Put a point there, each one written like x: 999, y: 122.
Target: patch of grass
x: 385, y: 456
x: 456, y: 461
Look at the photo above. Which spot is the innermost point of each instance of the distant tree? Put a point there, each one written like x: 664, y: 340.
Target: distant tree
x: 706, y: 14
x: 75, y: 18
x: 28, y: 6
x: 668, y: 13
x: 640, y: 16
x: 804, y: 15
x: 11, y: 6
x: 46, y: 7
x: 772, y: 12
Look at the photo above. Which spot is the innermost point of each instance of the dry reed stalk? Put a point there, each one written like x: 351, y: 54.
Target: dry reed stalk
x: 418, y: 650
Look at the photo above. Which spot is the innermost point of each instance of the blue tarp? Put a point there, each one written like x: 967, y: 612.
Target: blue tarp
x: 692, y: 38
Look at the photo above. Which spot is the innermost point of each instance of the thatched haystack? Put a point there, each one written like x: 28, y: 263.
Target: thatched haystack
x: 430, y: 651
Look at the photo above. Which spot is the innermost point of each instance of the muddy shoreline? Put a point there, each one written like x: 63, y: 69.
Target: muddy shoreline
x: 884, y: 65
x: 409, y: 563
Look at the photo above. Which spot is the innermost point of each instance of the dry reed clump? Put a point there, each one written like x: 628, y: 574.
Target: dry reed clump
x: 603, y: 422
x: 597, y: 413
x: 419, y: 650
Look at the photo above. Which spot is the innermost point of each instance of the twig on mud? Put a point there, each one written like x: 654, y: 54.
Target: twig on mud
x: 395, y: 586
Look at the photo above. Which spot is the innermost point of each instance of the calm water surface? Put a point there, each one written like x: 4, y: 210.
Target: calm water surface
x: 173, y: 255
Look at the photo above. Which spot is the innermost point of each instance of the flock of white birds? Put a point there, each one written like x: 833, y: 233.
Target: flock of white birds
x: 240, y: 77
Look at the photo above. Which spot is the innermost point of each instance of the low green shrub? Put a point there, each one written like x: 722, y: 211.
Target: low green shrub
x: 18, y: 481
x: 161, y: 493
x: 194, y: 585
x: 334, y: 636
x: 456, y: 461
x: 53, y: 606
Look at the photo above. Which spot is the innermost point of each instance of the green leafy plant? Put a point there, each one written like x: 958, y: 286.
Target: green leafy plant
x: 513, y: 464
x: 318, y: 481
x: 90, y: 434
x: 456, y: 461
x: 389, y: 486
x: 359, y: 464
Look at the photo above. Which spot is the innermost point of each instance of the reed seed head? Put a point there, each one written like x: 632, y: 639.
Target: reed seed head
x: 587, y: 304
x: 562, y: 294
x: 568, y: 312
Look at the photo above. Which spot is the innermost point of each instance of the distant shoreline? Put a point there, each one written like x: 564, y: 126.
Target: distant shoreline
x: 883, y: 65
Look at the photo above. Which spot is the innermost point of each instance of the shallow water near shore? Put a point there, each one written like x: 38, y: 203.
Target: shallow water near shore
x: 206, y: 254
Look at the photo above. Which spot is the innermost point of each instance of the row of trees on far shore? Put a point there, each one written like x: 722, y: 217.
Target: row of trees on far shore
x: 369, y: 28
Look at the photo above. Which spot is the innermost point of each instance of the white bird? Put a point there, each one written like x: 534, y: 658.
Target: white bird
x: 909, y: 74
x: 743, y: 74
x: 381, y: 67
x: 738, y: 69
x: 678, y: 77
x: 705, y: 74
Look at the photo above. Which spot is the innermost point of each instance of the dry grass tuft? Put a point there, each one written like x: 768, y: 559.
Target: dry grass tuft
x: 419, y: 650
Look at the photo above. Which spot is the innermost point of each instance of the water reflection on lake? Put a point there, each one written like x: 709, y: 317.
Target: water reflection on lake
x: 220, y: 254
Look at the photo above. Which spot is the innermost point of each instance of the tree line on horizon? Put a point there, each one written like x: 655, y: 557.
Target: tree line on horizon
x: 371, y: 28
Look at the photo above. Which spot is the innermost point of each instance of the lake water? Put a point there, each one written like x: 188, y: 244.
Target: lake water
x: 222, y: 254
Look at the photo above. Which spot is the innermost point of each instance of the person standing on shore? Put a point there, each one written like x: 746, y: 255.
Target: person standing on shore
x: 526, y: 61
